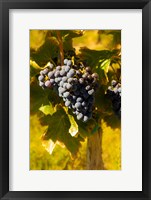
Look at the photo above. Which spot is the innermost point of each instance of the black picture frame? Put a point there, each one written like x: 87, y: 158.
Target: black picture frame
x: 5, y: 5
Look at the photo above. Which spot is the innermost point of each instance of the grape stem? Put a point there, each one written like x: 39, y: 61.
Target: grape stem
x: 60, y: 46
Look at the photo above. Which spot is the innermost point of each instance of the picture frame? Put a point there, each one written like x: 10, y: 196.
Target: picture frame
x: 5, y: 5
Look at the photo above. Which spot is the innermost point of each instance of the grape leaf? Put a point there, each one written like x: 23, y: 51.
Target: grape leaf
x: 105, y: 65
x: 38, y: 97
x: 58, y: 129
x: 41, y: 97
x: 93, y: 58
x: 34, y: 68
x: 48, y: 109
x: 46, y: 52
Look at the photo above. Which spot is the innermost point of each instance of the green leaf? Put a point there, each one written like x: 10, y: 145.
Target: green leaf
x: 34, y: 68
x: 93, y: 57
x: 58, y: 129
x: 38, y: 97
x: 49, y: 50
x: 48, y: 109
x: 105, y: 65
x: 41, y: 97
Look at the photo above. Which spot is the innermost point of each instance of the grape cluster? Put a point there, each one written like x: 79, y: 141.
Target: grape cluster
x: 114, y: 93
x: 76, y: 85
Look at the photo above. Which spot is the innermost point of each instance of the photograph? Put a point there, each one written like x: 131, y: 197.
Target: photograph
x: 75, y: 99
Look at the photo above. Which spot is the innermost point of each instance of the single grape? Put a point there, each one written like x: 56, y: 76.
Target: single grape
x: 51, y: 66
x: 68, y: 86
x: 61, y: 90
x: 88, y: 87
x: 90, y: 92
x: 65, y: 61
x: 78, y: 105
x: 79, y: 116
x: 67, y: 103
x: 79, y: 99
x: 95, y: 75
x: 66, y: 94
x: 64, y: 79
x: 70, y: 80
x: 88, y: 69
x: 48, y: 83
x: 74, y: 97
x: 83, y: 103
x: 41, y: 84
x: 75, y: 80
x: 69, y: 62
x: 70, y: 73
x: 81, y: 80
x: 85, y: 118
x: 58, y: 68
x: 62, y: 72
x: 51, y: 74
x: 52, y: 80
x: 67, y: 68
x: 40, y: 78
x: 57, y: 73
x: 45, y: 71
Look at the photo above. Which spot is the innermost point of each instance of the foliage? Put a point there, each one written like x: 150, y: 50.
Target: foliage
x: 59, y: 126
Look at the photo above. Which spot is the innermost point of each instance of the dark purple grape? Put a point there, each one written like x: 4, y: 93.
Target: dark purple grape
x: 78, y: 105
x: 66, y: 94
x: 95, y: 75
x: 88, y: 69
x: 51, y: 66
x: 90, y: 92
x: 64, y: 79
x: 69, y: 62
x: 57, y: 74
x: 81, y: 80
x: 65, y: 61
x: 62, y: 72
x: 68, y: 86
x: 58, y: 68
x: 61, y: 90
x: 67, y: 103
x: 79, y: 116
x: 88, y: 87
x: 79, y: 99
x: 48, y: 83
x: 85, y: 118
x: 40, y: 78
x: 51, y: 74
x: 67, y: 68
x: 41, y: 84
x: 45, y: 71
x: 52, y: 80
